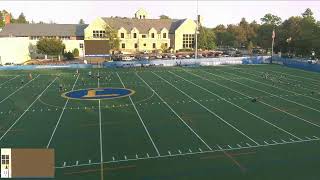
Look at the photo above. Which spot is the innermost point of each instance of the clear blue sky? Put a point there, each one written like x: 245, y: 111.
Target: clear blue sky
x: 214, y: 12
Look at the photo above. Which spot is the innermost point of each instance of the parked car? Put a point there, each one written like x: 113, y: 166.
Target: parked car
x: 310, y: 61
x: 179, y: 56
x: 165, y: 56
x: 127, y: 58
x: 9, y: 64
x: 145, y: 57
x: 172, y: 56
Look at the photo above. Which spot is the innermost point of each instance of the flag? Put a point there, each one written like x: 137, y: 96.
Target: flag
x: 273, y: 34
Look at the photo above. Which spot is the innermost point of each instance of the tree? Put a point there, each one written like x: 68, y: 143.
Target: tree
x: 271, y: 19
x: 250, y: 47
x: 264, y: 36
x: 206, y: 38
x: 223, y: 37
x: 50, y: 46
x: 163, y: 47
x: 288, y: 32
x: 112, y: 36
x: 81, y: 21
x: 21, y: 19
x: 12, y: 20
x: 307, y: 13
x: 68, y: 55
x: 1, y: 20
x: 164, y: 16
x: 75, y: 52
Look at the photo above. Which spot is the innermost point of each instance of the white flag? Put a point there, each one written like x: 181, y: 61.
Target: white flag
x: 273, y: 34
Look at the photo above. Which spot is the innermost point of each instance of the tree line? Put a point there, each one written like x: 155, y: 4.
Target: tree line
x: 21, y: 19
x: 295, y: 36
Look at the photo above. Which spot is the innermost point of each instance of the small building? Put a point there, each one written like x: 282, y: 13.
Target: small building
x: 72, y: 35
x: 136, y: 34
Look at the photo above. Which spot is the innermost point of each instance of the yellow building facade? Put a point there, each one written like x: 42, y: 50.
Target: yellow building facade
x: 140, y: 33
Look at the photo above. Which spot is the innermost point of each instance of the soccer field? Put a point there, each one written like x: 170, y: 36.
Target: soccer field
x: 180, y: 124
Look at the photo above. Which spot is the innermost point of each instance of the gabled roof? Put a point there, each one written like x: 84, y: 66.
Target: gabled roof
x: 143, y: 25
x: 43, y: 30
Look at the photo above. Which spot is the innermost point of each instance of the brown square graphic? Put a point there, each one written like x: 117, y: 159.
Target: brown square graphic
x: 95, y: 47
x: 34, y: 163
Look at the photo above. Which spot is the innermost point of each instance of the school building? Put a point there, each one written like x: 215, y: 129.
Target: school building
x: 136, y: 34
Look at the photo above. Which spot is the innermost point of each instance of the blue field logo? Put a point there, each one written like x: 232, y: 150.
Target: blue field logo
x: 98, y: 93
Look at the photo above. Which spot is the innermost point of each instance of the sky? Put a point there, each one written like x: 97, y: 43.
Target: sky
x: 213, y: 12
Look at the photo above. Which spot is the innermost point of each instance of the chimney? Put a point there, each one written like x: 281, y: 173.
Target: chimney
x: 7, y: 18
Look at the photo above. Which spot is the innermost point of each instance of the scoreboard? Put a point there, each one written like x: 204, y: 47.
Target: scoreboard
x: 97, y: 48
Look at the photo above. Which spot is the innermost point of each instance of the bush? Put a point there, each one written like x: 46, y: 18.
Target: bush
x: 69, y: 55
x: 75, y: 52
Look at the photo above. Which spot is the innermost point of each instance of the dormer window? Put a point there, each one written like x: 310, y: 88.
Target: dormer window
x: 122, y: 35
x: 152, y: 35
x: 164, y: 35
x: 134, y: 35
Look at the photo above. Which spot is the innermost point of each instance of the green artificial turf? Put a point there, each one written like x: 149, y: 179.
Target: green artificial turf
x: 185, y: 124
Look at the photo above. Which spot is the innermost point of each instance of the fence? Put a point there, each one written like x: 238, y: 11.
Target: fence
x: 294, y: 63
x: 298, y: 63
x: 191, y: 62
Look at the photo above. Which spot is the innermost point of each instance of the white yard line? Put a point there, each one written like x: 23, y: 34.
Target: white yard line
x: 145, y: 128
x: 274, y: 94
x: 277, y: 127
x: 189, y: 153
x: 101, y: 145
x: 174, y: 112
x: 300, y: 118
x: 18, y: 89
x: 291, y: 79
x: 27, y: 109
x: 8, y: 80
x: 101, y: 141
x: 266, y: 84
x: 61, y: 114
x: 213, y: 113
x: 298, y: 77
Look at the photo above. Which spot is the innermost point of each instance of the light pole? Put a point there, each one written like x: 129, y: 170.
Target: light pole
x: 196, y: 38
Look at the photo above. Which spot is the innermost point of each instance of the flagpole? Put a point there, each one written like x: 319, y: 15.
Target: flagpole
x: 273, y: 36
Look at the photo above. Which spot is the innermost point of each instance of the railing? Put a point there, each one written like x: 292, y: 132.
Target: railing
x: 171, y: 62
x: 191, y: 62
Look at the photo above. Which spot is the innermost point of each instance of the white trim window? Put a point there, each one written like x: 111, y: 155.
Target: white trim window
x: 64, y: 37
x: 98, y: 34
x: 188, y: 41
x: 35, y: 37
